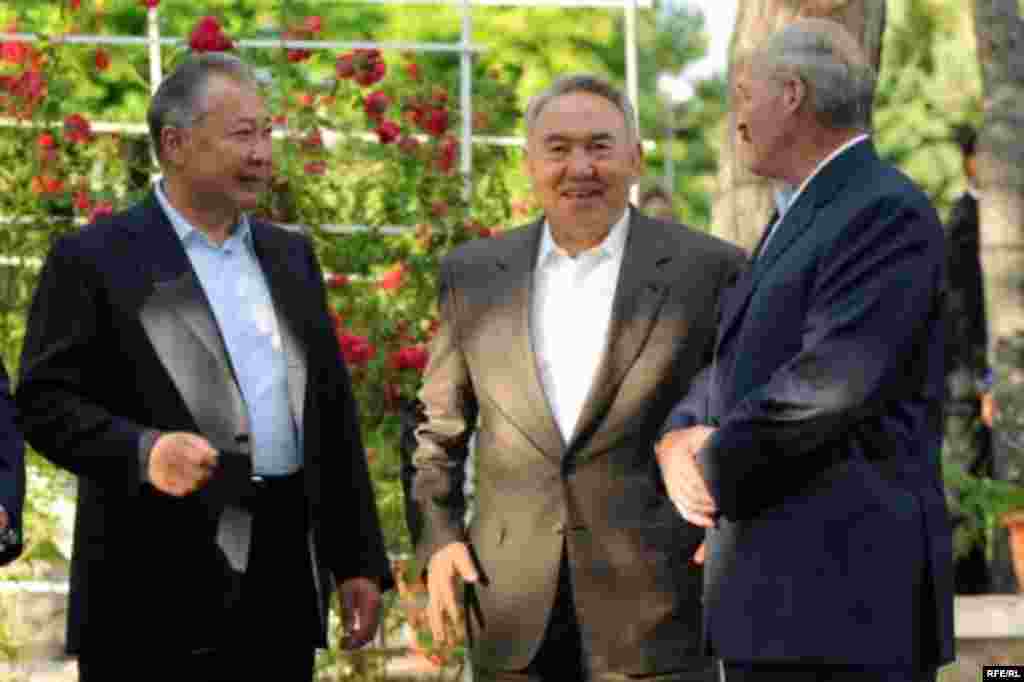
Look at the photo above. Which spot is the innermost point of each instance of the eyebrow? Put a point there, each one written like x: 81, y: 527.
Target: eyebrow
x: 554, y: 138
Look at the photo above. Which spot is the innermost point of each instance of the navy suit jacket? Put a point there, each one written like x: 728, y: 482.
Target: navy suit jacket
x: 116, y: 345
x: 12, y: 468
x: 833, y: 544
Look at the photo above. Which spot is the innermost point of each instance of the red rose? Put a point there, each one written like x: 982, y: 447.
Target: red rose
x: 444, y: 161
x: 315, y: 168
x: 410, y: 357
x: 305, y: 99
x: 345, y: 66
x: 14, y: 52
x: 313, y: 24
x: 313, y: 140
x: 439, y: 209
x: 47, y: 184
x: 31, y: 86
x: 408, y: 144
x: 388, y: 132
x: 207, y: 36
x: 369, y: 66
x: 412, y: 70
x: 392, y: 279
x: 337, y: 280
x: 297, y: 55
x: 436, y: 122
x: 75, y: 5
x: 82, y: 201
x: 77, y: 129
x: 46, y: 141
x: 356, y: 349
x: 149, y: 3
x: 375, y: 104
x: 280, y: 120
x: 102, y: 59
x: 101, y: 209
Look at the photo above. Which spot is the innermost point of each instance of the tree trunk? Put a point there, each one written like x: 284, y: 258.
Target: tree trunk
x: 743, y: 202
x: 1000, y: 36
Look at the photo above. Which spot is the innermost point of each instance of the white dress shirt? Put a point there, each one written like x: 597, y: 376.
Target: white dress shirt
x: 571, y: 312
x: 786, y: 196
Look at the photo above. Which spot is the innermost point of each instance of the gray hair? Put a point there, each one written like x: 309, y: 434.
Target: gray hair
x: 839, y: 79
x: 178, y: 101
x: 582, y: 82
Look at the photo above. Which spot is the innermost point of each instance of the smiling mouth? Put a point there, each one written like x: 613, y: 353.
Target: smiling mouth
x: 582, y: 194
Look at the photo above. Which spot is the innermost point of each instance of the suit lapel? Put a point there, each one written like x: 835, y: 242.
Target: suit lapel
x: 524, y: 394
x: 280, y: 265
x: 639, y: 294
x: 179, y: 323
x: 820, y: 191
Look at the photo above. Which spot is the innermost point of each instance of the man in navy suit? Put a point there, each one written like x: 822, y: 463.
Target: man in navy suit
x: 180, y: 360
x: 810, y: 447
x: 12, y: 476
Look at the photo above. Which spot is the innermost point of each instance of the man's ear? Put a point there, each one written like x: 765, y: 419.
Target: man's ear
x: 172, y: 141
x: 794, y: 93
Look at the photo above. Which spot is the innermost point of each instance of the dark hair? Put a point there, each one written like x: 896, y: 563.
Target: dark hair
x: 966, y: 137
x: 178, y: 101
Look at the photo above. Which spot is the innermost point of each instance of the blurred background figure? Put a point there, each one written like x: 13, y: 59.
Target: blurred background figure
x: 657, y: 203
x: 969, y: 405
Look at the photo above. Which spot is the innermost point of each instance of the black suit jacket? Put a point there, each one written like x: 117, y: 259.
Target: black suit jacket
x: 635, y: 588
x: 121, y: 339
x: 12, y: 469
x: 834, y: 542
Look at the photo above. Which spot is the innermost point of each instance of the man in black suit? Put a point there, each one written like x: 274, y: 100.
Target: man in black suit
x: 563, y: 346
x: 810, y: 447
x: 967, y: 445
x: 180, y: 360
x: 12, y: 476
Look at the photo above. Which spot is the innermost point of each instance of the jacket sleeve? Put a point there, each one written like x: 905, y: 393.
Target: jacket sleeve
x: 12, y: 469
x: 875, y: 298
x: 349, y: 513
x: 58, y: 395
x: 450, y: 412
x: 692, y: 410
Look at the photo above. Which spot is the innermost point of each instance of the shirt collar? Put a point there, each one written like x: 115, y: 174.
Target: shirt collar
x: 614, y: 244
x: 185, y: 230
x: 785, y: 195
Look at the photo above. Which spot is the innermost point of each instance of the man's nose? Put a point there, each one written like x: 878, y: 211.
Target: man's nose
x: 581, y: 162
x: 263, y: 151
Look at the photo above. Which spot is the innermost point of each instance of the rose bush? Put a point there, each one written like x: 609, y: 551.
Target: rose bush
x: 374, y: 145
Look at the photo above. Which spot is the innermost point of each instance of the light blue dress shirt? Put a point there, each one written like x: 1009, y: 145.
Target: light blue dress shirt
x: 231, y: 276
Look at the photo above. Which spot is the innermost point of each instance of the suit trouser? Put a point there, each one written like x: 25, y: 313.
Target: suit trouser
x: 270, y: 633
x: 786, y: 672
x: 563, y: 658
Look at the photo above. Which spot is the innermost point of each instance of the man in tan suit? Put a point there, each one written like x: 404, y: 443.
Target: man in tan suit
x: 563, y: 345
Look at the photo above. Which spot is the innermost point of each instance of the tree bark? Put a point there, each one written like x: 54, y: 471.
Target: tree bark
x: 1000, y: 36
x: 743, y: 202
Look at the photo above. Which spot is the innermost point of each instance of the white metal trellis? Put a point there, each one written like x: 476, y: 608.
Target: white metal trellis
x: 465, y: 47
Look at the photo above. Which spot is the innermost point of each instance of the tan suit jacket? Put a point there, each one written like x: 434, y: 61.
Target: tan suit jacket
x: 636, y: 591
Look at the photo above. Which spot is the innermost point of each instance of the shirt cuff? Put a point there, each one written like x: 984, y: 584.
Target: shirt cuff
x: 146, y: 442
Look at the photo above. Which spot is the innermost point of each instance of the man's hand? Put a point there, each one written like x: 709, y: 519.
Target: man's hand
x: 360, y: 611
x: 448, y: 563
x: 181, y: 463
x: 989, y: 408
x: 677, y: 458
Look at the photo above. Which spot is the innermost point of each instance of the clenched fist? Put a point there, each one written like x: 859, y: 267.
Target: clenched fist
x: 181, y: 463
